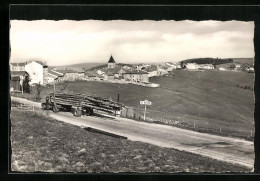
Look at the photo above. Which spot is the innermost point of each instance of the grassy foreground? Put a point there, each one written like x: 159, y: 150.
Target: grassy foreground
x: 43, y: 144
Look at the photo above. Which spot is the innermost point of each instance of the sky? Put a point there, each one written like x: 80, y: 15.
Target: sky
x: 93, y: 41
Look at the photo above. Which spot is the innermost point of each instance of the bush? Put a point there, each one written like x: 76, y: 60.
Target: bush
x: 232, y: 66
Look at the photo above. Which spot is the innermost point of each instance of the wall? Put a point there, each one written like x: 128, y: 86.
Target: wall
x: 144, y: 78
x: 17, y: 68
x: 111, y: 65
x: 35, y: 71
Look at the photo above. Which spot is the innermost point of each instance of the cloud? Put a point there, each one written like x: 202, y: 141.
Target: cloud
x: 65, y: 42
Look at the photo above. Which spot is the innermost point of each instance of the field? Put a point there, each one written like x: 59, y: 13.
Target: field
x: 250, y: 61
x: 216, y: 102
x: 43, y: 144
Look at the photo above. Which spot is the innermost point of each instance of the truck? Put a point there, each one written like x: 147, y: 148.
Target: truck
x: 80, y: 104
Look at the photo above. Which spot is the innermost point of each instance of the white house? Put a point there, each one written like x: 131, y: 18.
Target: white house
x: 162, y: 70
x: 206, y: 66
x: 17, y: 67
x: 37, y: 71
x: 152, y: 71
x: 192, y: 66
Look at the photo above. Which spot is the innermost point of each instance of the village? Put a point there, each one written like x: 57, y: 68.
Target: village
x: 38, y: 72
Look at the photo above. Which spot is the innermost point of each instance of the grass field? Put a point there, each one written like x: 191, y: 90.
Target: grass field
x: 43, y: 144
x: 213, y: 101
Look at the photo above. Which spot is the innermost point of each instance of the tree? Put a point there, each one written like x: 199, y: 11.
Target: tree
x: 232, y: 66
x: 26, y: 85
x: 38, y: 92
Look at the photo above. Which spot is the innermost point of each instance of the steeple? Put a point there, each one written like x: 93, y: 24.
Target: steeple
x: 111, y: 62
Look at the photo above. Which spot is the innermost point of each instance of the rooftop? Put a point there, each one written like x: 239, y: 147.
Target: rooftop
x: 111, y: 60
x: 56, y: 73
x: 18, y: 64
x: 135, y: 72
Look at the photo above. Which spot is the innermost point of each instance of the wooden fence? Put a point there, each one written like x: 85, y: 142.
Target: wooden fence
x: 22, y: 107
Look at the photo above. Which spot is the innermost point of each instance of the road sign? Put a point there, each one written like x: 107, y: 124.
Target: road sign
x: 146, y: 102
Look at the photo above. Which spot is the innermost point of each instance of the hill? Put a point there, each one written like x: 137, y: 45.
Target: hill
x: 215, y: 61
x: 80, y: 66
x: 249, y: 61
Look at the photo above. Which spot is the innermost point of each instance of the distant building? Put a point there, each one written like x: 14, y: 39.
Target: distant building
x: 111, y: 73
x: 136, y: 76
x: 15, y: 84
x: 70, y: 75
x: 17, y: 78
x: 192, y: 66
x: 54, y: 75
x: 17, y: 67
x: 152, y: 71
x: 206, y: 66
x: 122, y: 71
x: 111, y: 63
x: 142, y: 66
x: 162, y: 70
x: 38, y: 72
x: 93, y: 76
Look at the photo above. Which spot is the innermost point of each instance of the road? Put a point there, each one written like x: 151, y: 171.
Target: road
x: 232, y: 150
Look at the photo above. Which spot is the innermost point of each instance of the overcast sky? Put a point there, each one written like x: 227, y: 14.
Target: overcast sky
x: 69, y: 42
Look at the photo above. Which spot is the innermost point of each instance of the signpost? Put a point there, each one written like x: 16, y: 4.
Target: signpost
x: 145, y: 103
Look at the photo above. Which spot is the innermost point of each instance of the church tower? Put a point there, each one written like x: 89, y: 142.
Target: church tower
x: 111, y: 63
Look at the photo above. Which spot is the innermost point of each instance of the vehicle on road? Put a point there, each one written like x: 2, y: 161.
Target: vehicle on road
x: 80, y: 104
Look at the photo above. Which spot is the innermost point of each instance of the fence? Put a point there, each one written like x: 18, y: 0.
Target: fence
x: 132, y: 113
x: 22, y: 107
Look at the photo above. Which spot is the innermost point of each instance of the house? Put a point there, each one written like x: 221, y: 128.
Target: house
x: 162, y: 70
x: 17, y: 78
x: 192, y: 66
x: 127, y: 67
x: 173, y: 65
x: 54, y: 75
x: 37, y: 71
x: 111, y: 63
x: 142, y: 66
x: 136, y: 76
x: 222, y: 69
x: 206, y: 66
x: 152, y: 71
x: 122, y: 71
x: 100, y: 72
x: 250, y: 70
x: 111, y: 73
x: 15, y: 84
x: 17, y: 67
x: 93, y: 76
x: 21, y: 74
x: 70, y: 75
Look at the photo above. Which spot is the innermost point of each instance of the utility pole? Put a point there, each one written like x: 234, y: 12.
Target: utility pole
x: 55, y: 106
x: 144, y: 111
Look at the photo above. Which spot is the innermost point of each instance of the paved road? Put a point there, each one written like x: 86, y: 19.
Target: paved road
x: 231, y: 150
